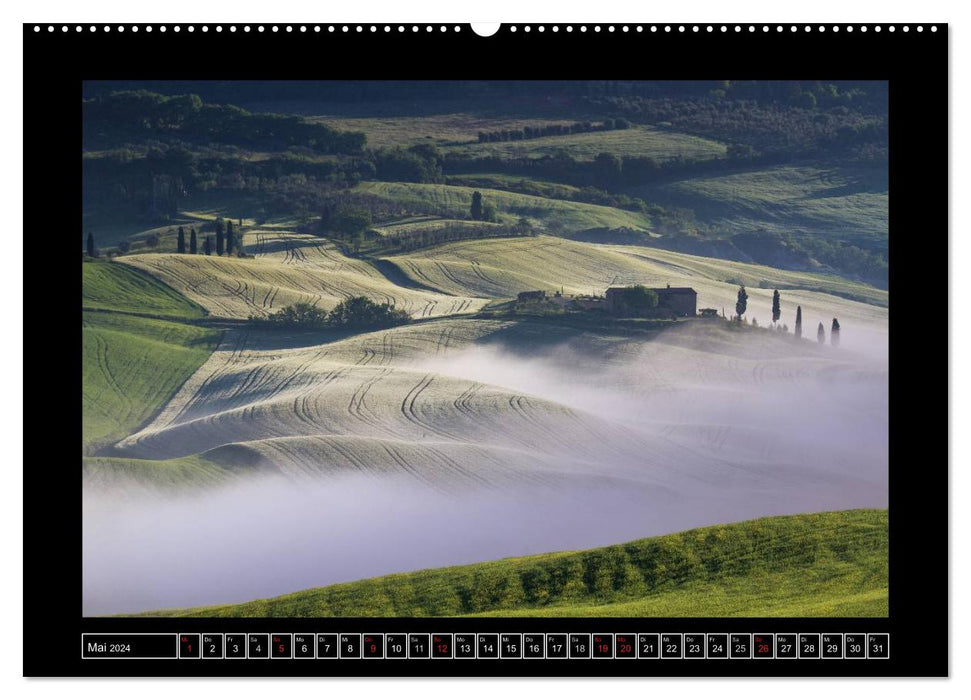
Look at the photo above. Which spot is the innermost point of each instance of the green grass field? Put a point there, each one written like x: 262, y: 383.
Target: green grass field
x: 801, y: 565
x: 113, y: 287
x: 454, y: 202
x: 131, y: 364
x: 850, y: 204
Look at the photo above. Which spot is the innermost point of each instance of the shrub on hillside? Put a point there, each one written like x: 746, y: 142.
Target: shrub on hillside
x: 357, y: 312
x: 361, y: 312
x: 300, y: 314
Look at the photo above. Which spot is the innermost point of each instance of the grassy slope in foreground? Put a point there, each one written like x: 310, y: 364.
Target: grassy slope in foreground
x: 113, y: 287
x: 821, y: 564
x: 132, y: 365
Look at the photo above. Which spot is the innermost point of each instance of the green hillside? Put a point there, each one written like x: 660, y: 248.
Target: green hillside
x: 810, y: 565
x: 454, y: 202
x: 844, y: 203
x: 113, y: 287
x: 131, y: 364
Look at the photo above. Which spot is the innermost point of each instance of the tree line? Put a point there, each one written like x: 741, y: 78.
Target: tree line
x: 535, y: 132
x: 847, y: 127
x: 224, y: 241
x: 741, y: 306
x: 140, y: 113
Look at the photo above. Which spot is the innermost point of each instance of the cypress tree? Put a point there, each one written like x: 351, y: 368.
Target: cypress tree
x: 192, y: 241
x: 90, y: 245
x: 476, y: 209
x: 230, y: 238
x: 821, y: 333
x: 219, y: 237
x: 834, y: 334
x: 798, y: 331
x: 776, y: 307
x: 741, y: 303
x: 180, y: 245
x: 207, y: 246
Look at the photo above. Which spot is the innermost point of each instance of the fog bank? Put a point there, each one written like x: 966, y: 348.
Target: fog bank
x: 715, y: 437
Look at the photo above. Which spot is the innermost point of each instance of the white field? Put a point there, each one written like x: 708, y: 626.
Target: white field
x: 286, y: 269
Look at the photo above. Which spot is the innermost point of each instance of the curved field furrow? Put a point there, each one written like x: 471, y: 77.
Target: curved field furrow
x: 436, y: 424
x: 283, y: 275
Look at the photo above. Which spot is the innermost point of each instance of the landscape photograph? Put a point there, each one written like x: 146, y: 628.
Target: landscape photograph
x: 485, y: 348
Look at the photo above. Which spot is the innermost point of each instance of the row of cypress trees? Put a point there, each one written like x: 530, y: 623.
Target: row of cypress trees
x: 225, y: 240
x: 741, y: 303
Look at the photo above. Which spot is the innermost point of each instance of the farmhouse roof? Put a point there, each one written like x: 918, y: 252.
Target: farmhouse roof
x: 659, y: 290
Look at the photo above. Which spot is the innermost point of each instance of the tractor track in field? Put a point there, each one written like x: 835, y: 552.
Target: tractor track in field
x: 406, y: 465
x: 522, y: 406
x: 238, y: 340
x: 477, y: 269
x: 105, y: 367
x: 449, y: 275
x: 352, y: 458
x: 411, y: 414
x: 443, y: 340
x: 456, y: 467
x: 461, y: 403
x: 357, y: 406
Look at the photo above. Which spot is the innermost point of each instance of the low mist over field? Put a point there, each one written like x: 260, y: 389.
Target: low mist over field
x: 695, y: 430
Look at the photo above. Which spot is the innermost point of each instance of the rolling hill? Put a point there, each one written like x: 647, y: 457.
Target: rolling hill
x: 432, y: 403
x: 287, y: 269
x: 792, y: 566
x: 110, y: 287
x: 454, y: 201
x: 132, y: 362
x: 836, y: 202
x: 502, y: 268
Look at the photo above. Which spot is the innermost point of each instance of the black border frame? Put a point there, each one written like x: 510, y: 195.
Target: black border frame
x: 914, y: 62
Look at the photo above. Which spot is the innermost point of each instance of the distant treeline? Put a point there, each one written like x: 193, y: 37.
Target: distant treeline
x: 535, y: 132
x: 143, y: 114
x: 424, y: 238
x: 552, y: 190
x: 414, y: 92
x: 608, y: 172
x: 157, y: 182
x: 803, y: 125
